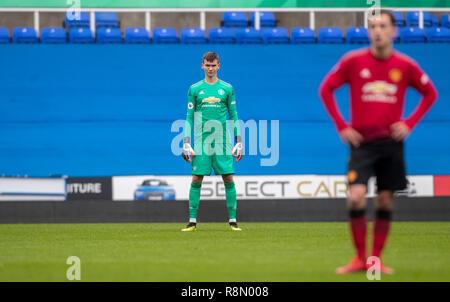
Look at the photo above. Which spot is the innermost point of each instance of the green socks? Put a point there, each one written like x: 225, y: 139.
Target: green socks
x: 230, y: 194
x: 194, y: 200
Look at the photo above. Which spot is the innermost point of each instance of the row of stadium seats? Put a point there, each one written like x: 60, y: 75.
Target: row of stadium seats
x: 111, y: 19
x: 217, y: 35
x: 412, y: 19
x: 102, y: 19
x: 267, y: 19
x: 239, y: 19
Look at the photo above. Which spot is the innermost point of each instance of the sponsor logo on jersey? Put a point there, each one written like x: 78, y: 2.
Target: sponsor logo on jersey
x: 221, y: 92
x: 395, y: 75
x: 380, y: 87
x: 211, y: 100
x: 233, y: 102
x: 202, y: 92
x: 379, y: 91
x: 190, y: 105
x: 365, y: 73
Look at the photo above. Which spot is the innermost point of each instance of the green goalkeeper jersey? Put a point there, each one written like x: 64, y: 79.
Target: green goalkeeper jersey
x: 210, y: 103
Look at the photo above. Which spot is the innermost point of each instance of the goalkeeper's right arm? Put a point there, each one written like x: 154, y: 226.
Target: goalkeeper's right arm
x: 187, y: 148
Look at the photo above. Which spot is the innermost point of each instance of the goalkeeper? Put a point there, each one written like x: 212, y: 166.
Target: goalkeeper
x: 210, y: 100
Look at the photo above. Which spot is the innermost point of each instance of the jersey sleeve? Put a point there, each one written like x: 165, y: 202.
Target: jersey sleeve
x: 232, y: 112
x: 420, y: 81
x: 339, y: 75
x: 189, y: 125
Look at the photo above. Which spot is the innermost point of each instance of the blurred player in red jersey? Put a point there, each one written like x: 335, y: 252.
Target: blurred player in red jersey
x: 378, y: 77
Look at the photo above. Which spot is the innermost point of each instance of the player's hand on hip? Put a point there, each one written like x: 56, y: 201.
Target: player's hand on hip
x: 351, y: 136
x: 400, y: 131
x: 188, y: 152
x: 238, y: 150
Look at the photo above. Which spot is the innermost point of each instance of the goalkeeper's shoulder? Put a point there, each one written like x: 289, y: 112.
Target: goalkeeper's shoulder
x: 196, y: 85
x: 226, y: 84
x: 194, y: 88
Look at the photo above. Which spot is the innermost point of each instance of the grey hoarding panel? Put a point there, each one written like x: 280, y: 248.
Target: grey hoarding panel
x: 405, y: 209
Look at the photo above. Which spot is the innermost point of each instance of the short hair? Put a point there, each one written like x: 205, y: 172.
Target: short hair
x: 210, y: 56
x: 390, y: 15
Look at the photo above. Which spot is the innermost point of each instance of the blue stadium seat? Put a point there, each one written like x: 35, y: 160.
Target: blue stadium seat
x: 439, y: 34
x: 399, y: 20
x: 330, y: 35
x: 248, y: 35
x: 266, y: 19
x: 221, y: 35
x: 80, y: 35
x: 137, y: 35
x: 275, y: 35
x: 25, y: 35
x: 445, y: 20
x: 192, y: 35
x: 77, y: 19
x: 357, y: 35
x: 106, y: 19
x: 412, y: 19
x: 165, y: 35
x: 434, y: 21
x: 303, y: 35
x: 53, y: 35
x: 4, y: 35
x: 412, y: 35
x: 109, y: 35
x: 234, y: 19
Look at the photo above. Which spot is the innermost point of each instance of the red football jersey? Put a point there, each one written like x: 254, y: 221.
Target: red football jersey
x: 377, y: 89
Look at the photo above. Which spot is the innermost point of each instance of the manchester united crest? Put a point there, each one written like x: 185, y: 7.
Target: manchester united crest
x: 395, y: 75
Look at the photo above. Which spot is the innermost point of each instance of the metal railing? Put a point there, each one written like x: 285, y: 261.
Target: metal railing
x: 202, y: 13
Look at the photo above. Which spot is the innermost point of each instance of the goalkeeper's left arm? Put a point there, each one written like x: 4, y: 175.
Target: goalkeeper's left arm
x: 238, y: 148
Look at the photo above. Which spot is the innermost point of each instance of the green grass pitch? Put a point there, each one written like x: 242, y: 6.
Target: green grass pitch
x: 418, y: 251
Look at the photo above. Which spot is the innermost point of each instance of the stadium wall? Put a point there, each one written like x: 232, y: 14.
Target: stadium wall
x: 104, y: 110
x: 288, y: 210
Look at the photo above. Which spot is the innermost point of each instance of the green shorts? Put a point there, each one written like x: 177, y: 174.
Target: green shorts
x: 219, y: 159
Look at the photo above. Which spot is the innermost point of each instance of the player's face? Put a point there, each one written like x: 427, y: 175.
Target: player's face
x: 381, y: 31
x: 210, y: 68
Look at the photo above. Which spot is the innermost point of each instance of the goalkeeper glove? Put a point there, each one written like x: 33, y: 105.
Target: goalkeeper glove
x: 187, y: 150
x: 238, y: 150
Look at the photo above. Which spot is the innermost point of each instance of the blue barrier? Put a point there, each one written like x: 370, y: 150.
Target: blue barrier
x: 99, y: 110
